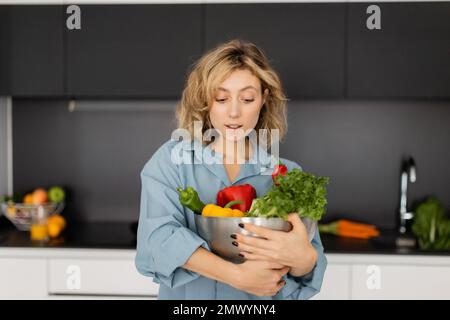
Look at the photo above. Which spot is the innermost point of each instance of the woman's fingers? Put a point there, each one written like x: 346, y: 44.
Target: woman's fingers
x: 257, y: 257
x: 261, y: 231
x: 252, y: 256
x: 280, y: 285
x: 254, y: 250
x: 295, y: 220
x: 283, y: 271
x: 254, y: 242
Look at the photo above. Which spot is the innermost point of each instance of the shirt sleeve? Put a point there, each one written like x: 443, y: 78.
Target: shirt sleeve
x: 164, y: 242
x: 305, y: 287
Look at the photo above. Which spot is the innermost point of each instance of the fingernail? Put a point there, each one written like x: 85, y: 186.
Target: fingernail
x: 233, y: 236
x: 241, y: 255
x: 235, y: 243
x: 241, y: 225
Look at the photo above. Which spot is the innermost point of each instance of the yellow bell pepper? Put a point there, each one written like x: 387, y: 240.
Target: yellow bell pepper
x: 212, y: 210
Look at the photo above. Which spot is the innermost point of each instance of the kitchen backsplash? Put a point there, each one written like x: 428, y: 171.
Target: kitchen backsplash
x: 98, y: 150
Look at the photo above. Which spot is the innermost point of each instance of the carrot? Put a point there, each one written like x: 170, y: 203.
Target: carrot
x: 350, y: 229
x: 347, y: 224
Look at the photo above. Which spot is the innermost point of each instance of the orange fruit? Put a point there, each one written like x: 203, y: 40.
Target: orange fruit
x: 39, y: 196
x: 28, y: 199
x: 57, y: 219
x: 56, y: 224
x: 54, y: 230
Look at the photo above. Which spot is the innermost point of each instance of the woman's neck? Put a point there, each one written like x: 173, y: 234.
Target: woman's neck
x: 234, y: 152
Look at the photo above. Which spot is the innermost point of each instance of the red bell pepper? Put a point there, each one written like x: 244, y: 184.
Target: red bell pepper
x: 245, y: 192
x: 279, y: 170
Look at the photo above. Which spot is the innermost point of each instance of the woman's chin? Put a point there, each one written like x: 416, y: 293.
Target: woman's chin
x: 234, y: 135
x: 235, y: 138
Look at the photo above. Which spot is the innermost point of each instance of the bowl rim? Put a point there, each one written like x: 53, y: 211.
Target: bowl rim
x: 199, y: 216
x: 31, y: 205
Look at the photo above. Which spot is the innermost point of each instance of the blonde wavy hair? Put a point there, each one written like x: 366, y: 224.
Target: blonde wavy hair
x: 213, y: 68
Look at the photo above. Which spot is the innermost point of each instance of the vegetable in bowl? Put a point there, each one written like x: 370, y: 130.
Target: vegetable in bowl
x: 295, y: 191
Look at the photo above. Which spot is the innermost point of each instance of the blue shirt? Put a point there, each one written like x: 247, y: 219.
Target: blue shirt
x: 167, y: 235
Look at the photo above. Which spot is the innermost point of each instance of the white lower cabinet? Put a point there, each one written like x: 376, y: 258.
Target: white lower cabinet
x: 372, y: 276
x: 336, y: 283
x: 112, y: 277
x: 23, y: 278
x: 35, y: 273
x: 400, y: 282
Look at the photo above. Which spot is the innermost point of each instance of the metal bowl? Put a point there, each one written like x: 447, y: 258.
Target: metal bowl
x: 217, y: 231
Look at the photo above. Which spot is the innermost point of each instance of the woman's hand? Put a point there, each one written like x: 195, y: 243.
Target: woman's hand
x: 291, y: 249
x: 261, y: 278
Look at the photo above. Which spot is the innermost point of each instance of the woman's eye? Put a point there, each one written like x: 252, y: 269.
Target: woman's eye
x: 249, y: 100
x: 221, y: 100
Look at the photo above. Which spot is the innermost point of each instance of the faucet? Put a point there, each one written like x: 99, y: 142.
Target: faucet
x: 408, y: 174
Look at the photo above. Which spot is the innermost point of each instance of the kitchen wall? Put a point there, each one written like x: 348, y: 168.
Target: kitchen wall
x: 98, y: 150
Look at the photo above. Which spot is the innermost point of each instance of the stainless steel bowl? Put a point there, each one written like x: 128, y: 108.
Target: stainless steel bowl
x: 217, y: 231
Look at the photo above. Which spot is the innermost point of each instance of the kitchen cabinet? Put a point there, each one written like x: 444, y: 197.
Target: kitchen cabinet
x: 336, y: 283
x: 98, y: 277
x: 23, y: 278
x: 36, y: 52
x: 304, y: 41
x: 62, y: 273
x: 53, y: 273
x: 402, y: 282
x: 407, y: 57
x: 133, y: 50
x: 144, y: 51
x: 378, y: 276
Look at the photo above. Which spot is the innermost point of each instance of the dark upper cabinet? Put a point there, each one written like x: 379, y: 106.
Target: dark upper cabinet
x: 133, y: 50
x: 36, y: 51
x: 5, y: 44
x: 304, y: 41
x: 408, y: 57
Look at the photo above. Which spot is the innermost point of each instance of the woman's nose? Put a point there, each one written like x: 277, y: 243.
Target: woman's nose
x: 235, y: 109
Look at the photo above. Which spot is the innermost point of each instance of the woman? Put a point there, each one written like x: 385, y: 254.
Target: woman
x: 232, y: 90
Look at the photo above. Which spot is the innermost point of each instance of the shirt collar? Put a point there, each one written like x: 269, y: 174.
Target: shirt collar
x: 261, y: 162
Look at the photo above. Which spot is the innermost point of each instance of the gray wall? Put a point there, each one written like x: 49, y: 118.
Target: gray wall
x: 98, y: 151
x: 359, y: 145
x: 96, y: 154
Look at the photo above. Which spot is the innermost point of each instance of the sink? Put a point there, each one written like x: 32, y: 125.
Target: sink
x: 392, y: 239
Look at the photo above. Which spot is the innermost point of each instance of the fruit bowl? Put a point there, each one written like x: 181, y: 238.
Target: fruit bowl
x: 20, y: 214
x: 217, y: 231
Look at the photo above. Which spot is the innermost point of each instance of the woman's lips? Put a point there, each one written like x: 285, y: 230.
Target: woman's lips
x: 233, y: 126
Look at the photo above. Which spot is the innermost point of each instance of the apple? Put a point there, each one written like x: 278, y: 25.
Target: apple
x: 56, y: 194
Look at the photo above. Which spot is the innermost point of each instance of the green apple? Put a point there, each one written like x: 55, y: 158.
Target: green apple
x: 56, y: 194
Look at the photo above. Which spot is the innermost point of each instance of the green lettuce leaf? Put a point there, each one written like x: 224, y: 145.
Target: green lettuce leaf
x: 297, y: 191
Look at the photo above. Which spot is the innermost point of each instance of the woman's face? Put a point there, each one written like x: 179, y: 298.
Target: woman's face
x: 236, y: 105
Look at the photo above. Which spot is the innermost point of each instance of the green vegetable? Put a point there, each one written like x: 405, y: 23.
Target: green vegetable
x: 431, y: 227
x: 190, y: 199
x: 297, y: 191
x: 14, y: 198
